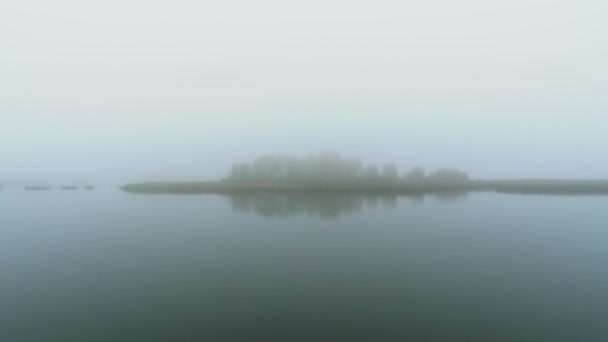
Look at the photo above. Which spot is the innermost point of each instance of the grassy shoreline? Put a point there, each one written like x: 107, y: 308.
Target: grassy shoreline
x: 532, y: 186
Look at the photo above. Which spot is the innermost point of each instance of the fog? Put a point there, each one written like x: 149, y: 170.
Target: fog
x: 119, y: 91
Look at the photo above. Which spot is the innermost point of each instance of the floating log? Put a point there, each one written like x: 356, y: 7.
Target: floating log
x: 36, y: 188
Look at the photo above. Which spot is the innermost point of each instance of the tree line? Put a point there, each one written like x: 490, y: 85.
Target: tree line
x: 331, y: 167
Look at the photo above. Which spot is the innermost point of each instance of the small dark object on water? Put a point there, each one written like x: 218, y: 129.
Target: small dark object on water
x: 69, y: 188
x: 36, y: 188
x: 89, y: 187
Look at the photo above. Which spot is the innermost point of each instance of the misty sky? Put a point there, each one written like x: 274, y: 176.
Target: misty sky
x: 125, y: 90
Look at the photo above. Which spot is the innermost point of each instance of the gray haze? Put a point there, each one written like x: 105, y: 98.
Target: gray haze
x: 137, y: 90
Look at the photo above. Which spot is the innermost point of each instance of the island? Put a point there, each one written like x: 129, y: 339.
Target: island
x: 331, y: 173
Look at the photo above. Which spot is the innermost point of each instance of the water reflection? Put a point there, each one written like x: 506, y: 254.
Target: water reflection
x: 323, y: 205
x: 451, y: 196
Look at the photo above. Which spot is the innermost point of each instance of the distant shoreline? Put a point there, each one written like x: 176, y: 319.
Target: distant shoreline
x: 532, y: 186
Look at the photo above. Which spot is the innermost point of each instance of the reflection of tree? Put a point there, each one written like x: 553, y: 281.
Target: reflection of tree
x: 323, y: 205
x: 371, y: 202
x: 416, y: 199
x: 389, y: 202
x: 326, y: 206
x: 451, y: 196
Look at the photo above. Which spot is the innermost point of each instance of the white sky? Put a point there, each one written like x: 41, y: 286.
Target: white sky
x: 136, y: 90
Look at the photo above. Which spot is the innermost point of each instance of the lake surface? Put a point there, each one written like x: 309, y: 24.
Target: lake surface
x: 104, y: 265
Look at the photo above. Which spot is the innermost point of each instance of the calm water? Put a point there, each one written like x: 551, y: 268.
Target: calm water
x: 108, y: 266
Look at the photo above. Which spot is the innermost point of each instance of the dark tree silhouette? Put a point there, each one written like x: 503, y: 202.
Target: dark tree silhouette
x: 333, y: 168
x: 389, y: 172
x: 417, y: 174
x: 448, y: 175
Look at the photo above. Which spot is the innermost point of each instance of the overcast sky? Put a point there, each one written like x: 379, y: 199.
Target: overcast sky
x: 123, y: 90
